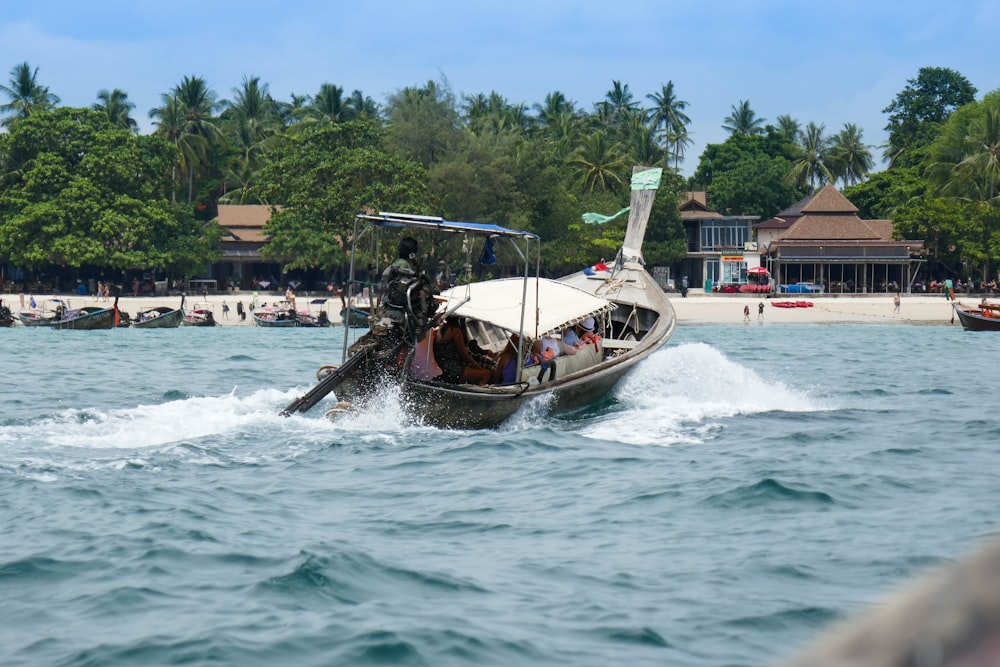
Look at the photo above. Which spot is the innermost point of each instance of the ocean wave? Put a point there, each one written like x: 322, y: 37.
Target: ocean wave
x: 679, y: 394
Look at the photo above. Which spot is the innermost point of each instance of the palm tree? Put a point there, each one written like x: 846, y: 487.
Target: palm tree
x: 965, y: 160
x: 169, y: 121
x: 328, y: 104
x: 199, y: 103
x: 116, y: 106
x: 25, y: 94
x: 598, y: 165
x: 640, y: 144
x: 619, y: 103
x: 851, y: 158
x: 788, y: 127
x: 678, y: 141
x: 554, y: 106
x: 743, y: 120
x: 361, y: 106
x: 811, y: 155
x: 668, y: 113
x: 254, y: 113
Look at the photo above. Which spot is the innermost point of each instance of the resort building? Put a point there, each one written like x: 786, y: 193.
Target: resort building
x: 242, y: 238
x: 720, y: 248
x: 821, y: 243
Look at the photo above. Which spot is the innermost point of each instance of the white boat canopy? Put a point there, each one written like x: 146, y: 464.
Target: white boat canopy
x: 550, y: 305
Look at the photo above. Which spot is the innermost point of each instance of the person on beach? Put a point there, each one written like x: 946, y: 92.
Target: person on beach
x: 895, y: 303
x: 760, y: 310
x: 746, y: 313
x: 225, y: 310
x: 240, y: 312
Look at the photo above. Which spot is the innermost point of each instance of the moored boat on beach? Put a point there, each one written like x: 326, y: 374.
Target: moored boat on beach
x: 63, y: 314
x: 6, y: 317
x: 160, y: 317
x: 981, y: 317
x: 200, y: 315
x: 507, y: 320
x: 280, y: 315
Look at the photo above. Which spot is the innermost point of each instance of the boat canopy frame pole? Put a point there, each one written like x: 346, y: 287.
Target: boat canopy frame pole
x: 350, y: 286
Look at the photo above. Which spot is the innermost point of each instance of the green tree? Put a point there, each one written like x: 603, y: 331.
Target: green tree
x: 744, y: 120
x: 424, y: 123
x: 964, y: 161
x: 117, y: 107
x: 186, y: 118
x: 25, y: 95
x: 362, y: 106
x: 850, y: 157
x: 812, y: 153
x: 884, y: 193
x: 789, y: 127
x: 91, y: 193
x: 598, y: 164
x: 320, y: 179
x: 919, y: 110
x: 753, y: 185
x: 668, y: 116
x: 618, y: 105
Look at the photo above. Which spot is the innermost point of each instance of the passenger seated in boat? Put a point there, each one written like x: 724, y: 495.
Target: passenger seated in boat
x: 543, y: 354
x: 424, y: 365
x: 579, y: 335
x: 505, y: 371
x: 452, y: 353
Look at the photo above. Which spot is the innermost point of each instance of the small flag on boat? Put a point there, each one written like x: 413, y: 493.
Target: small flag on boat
x: 598, y: 219
x: 591, y: 270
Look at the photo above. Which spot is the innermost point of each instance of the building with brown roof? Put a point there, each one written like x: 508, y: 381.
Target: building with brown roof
x: 242, y: 238
x: 720, y: 249
x: 821, y: 240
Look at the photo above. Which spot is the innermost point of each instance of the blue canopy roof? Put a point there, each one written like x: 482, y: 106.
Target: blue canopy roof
x: 431, y: 222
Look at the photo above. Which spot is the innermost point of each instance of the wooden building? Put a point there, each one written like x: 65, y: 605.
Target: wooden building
x: 820, y: 240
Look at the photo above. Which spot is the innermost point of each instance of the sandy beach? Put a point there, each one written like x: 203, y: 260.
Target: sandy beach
x: 697, y: 308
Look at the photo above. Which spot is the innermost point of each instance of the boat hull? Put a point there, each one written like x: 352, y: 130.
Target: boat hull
x: 166, y: 318
x: 975, y: 320
x: 447, y: 405
x: 32, y: 321
x: 268, y: 322
x: 89, y: 319
x: 355, y: 317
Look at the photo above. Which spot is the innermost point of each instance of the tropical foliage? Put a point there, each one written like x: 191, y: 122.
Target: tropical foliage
x: 86, y: 192
x: 319, y: 159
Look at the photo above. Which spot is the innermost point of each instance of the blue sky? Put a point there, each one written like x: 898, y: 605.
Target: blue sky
x: 831, y: 63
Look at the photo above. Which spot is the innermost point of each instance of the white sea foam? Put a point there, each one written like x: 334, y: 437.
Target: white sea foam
x: 156, y: 425
x: 676, y: 395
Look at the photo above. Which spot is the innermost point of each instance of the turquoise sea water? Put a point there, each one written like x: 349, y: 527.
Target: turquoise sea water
x: 741, y: 490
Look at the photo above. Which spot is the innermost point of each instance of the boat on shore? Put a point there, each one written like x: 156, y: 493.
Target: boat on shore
x: 507, y: 320
x: 201, y: 315
x: 311, y: 318
x: 60, y: 313
x: 160, y: 317
x: 6, y: 317
x: 281, y: 315
x: 87, y: 318
x: 981, y: 317
x: 353, y: 316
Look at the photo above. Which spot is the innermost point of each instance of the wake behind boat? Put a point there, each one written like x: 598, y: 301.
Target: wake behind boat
x: 982, y: 317
x: 617, y: 315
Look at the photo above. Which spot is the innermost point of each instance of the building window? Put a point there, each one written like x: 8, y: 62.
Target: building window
x: 712, y: 270
x: 734, y: 273
x: 718, y: 234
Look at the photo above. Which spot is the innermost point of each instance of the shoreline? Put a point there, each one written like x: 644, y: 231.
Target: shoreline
x: 695, y: 309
